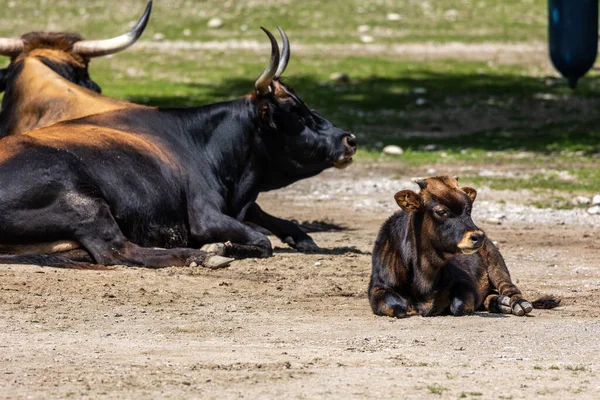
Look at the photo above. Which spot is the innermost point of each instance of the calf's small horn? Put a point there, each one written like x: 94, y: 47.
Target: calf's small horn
x: 285, y: 54
x: 97, y: 48
x: 263, y: 83
x: 11, y: 47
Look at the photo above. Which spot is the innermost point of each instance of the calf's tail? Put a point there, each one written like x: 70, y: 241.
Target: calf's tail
x: 546, y: 302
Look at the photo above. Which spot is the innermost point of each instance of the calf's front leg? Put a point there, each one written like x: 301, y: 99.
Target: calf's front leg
x: 500, y: 279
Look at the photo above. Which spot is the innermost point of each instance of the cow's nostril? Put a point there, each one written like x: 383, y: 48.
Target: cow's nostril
x: 475, y: 238
x: 351, y: 142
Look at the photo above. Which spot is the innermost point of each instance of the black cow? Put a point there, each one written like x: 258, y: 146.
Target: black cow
x: 120, y: 184
x: 431, y: 259
x: 36, y: 82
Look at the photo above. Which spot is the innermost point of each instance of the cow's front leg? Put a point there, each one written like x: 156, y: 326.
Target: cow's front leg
x: 500, y: 279
x: 240, y: 240
x: 289, y: 232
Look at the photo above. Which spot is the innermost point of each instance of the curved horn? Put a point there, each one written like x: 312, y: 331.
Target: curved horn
x: 97, y: 48
x: 422, y: 182
x: 263, y: 83
x: 11, y: 47
x: 285, y: 53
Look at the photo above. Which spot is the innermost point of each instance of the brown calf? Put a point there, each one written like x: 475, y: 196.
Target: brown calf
x: 431, y: 259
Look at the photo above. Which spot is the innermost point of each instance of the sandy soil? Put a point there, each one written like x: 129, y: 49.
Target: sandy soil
x: 300, y: 325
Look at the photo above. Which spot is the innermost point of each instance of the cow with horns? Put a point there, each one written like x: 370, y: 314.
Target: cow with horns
x: 142, y: 186
x: 38, y: 81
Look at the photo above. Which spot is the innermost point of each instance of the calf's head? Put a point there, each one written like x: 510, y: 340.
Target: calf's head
x: 67, y: 54
x: 298, y: 140
x: 443, y: 210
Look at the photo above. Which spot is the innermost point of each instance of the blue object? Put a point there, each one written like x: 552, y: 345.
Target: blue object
x: 573, y: 37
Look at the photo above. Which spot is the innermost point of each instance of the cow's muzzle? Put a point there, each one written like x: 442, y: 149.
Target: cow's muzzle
x: 350, y: 146
x: 471, y: 242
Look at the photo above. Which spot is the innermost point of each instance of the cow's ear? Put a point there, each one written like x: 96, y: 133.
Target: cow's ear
x: 266, y: 115
x: 408, y: 200
x: 472, y: 193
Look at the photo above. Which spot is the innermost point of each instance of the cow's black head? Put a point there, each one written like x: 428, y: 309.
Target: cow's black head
x: 67, y: 54
x: 298, y: 141
x: 443, y: 212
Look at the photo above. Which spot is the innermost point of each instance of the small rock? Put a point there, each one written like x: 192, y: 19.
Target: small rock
x: 419, y: 90
x: 393, y: 150
x: 500, y: 216
x: 367, y: 39
x: 158, y: 37
x: 580, y: 200
x: 244, y: 28
x: 493, y: 221
x: 594, y: 210
x: 215, y: 23
x: 364, y: 28
x: 187, y: 32
x: 421, y: 101
x: 394, y: 17
x: 318, y: 263
x: 431, y: 171
x: 430, y: 147
x: 193, y: 264
x: 596, y: 200
x: 339, y: 77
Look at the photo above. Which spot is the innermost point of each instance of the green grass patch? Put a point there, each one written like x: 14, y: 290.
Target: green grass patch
x: 310, y: 21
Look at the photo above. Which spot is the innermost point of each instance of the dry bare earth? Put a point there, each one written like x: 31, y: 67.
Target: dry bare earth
x: 299, y: 325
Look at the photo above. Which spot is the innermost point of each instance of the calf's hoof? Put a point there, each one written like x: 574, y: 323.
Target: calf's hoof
x: 521, y: 307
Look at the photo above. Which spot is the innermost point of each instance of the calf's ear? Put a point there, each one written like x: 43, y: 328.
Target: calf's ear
x: 472, y: 193
x: 408, y: 200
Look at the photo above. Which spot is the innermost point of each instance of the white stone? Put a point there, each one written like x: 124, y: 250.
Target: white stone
x: 187, y: 32
x: 364, y: 28
x: 339, y: 77
x: 367, y: 39
x: 215, y: 23
x: 594, y: 210
x: 580, y: 200
x: 421, y: 101
x: 419, y: 90
x: 596, y: 200
x: 394, y: 17
x: 158, y: 37
x: 393, y: 150
x: 430, y: 147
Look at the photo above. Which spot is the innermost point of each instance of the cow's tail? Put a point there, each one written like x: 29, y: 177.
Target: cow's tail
x: 546, y: 302
x: 48, y: 260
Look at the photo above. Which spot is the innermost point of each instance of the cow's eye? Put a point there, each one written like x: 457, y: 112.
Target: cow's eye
x: 442, y: 212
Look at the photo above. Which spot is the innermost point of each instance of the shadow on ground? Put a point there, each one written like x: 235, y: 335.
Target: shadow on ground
x: 482, y: 111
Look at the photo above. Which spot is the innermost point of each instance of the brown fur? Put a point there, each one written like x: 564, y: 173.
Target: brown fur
x: 415, y: 271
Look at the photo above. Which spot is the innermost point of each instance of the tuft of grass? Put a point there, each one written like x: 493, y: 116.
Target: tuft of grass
x: 436, y: 389
x: 576, y: 368
x: 554, y: 367
x: 464, y: 395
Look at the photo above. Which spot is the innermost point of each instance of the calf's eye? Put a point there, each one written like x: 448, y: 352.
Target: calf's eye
x: 441, y: 212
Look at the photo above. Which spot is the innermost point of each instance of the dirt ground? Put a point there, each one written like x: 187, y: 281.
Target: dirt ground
x: 300, y: 326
